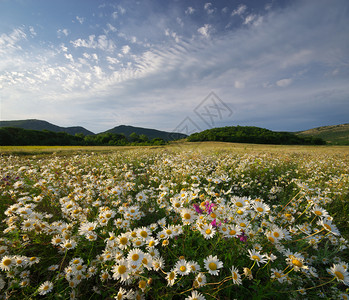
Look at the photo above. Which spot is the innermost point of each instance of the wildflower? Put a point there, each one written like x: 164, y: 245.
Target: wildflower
x: 329, y: 226
x: 340, y: 273
x: 208, y: 231
x: 278, y: 275
x: 171, y: 277
x: 248, y: 273
x: 212, y: 265
x: 296, y: 261
x: 200, y: 280
x: 235, y: 275
x: 188, y: 216
x: 68, y: 244
x: 121, y: 270
x: 45, y: 288
x: 6, y: 263
x: 261, y: 207
x: 182, y: 267
x: 121, y: 294
x: 195, y: 295
x: 257, y: 257
x: 194, y: 266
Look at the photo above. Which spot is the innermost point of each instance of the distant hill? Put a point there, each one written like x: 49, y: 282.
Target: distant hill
x: 252, y: 134
x: 333, y: 134
x: 33, y: 124
x: 150, y: 133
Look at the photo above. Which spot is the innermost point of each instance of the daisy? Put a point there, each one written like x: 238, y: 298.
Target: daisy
x: 171, y: 277
x: 340, y: 273
x: 212, y: 265
x: 278, y: 275
x: 194, y: 266
x: 144, y: 233
x: 121, y: 270
x: 45, y: 288
x: 135, y: 257
x: 182, y: 267
x: 235, y: 275
x: 208, y: 231
x: 261, y: 207
x: 121, y: 294
x: 188, y: 216
x: 257, y: 257
x: 319, y: 211
x: 6, y: 263
x: 200, y: 280
x: 329, y: 226
x: 68, y: 244
x: 195, y: 295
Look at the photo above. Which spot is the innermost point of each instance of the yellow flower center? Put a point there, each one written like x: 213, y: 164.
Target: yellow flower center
x: 187, y: 216
x: 135, y: 257
x: 260, y: 209
x: 7, y: 262
x: 297, y: 263
x: 151, y: 244
x: 182, y: 268
x: 232, y: 232
x: 142, y: 284
x: 239, y: 204
x: 171, y: 276
x: 277, y: 275
x: 121, y: 269
x: 255, y: 257
x: 235, y: 276
x: 276, y: 234
x: 212, y: 266
x: 318, y: 212
x: 123, y: 240
x: 144, y: 234
x: 169, y: 232
x: 339, y: 275
x: 208, y: 231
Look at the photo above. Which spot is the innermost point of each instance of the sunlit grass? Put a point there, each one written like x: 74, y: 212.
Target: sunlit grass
x: 221, y: 220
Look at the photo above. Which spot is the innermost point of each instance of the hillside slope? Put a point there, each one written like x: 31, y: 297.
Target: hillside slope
x: 34, y: 124
x: 334, y: 134
x: 150, y: 133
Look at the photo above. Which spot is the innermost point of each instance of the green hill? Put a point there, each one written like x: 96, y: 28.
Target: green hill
x: 150, y: 133
x: 34, y: 124
x: 334, y: 134
x: 251, y: 134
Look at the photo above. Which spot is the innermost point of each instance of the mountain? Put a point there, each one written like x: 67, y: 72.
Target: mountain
x: 150, y: 133
x: 43, y: 125
x: 333, y: 134
x: 252, y: 134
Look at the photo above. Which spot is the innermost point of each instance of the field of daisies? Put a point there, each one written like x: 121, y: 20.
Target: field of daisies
x: 175, y: 224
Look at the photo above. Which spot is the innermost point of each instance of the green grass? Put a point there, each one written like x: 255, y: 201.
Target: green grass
x: 76, y: 185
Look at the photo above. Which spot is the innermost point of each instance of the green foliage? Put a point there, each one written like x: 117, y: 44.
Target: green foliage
x: 10, y: 136
x: 251, y: 134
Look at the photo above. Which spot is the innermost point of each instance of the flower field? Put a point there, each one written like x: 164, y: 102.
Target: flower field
x: 188, y: 223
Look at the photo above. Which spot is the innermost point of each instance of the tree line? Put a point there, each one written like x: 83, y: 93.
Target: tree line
x: 11, y: 136
x: 255, y: 135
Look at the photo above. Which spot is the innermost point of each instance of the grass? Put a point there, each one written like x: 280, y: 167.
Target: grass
x: 114, y: 202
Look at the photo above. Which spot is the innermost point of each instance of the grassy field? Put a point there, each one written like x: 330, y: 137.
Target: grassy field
x: 183, y: 221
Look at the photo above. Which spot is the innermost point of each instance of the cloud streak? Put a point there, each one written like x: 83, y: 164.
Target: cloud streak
x: 266, y: 69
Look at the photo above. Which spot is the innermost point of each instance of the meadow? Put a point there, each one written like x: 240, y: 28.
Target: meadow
x: 182, y: 221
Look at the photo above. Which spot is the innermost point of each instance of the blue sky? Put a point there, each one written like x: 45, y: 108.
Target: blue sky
x: 281, y: 65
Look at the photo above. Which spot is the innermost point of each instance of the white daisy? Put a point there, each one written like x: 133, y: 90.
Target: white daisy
x: 212, y: 265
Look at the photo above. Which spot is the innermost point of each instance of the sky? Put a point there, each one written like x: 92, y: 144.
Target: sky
x: 175, y: 65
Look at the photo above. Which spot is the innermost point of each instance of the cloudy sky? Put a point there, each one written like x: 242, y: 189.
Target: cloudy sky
x: 180, y: 65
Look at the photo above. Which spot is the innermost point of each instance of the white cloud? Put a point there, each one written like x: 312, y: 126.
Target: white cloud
x: 208, y: 8
x: 32, y: 31
x: 205, y: 30
x: 125, y: 49
x: 189, y: 11
x: 114, y: 15
x: 284, y: 82
x: 11, y: 41
x: 240, y: 10
x: 122, y: 10
x: 249, y: 19
x: 69, y: 57
x: 61, y: 32
x: 239, y: 84
x: 112, y: 60
x: 80, y: 19
x: 102, y: 43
